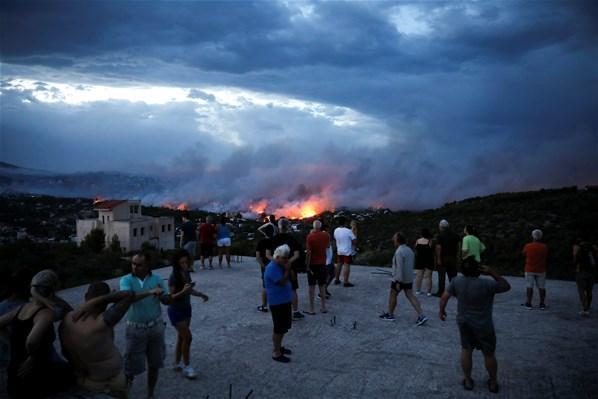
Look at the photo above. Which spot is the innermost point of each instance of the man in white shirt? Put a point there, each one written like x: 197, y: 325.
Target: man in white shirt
x: 345, y: 244
x: 402, y: 279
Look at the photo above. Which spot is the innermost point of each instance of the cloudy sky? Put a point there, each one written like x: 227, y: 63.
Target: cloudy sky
x: 400, y: 104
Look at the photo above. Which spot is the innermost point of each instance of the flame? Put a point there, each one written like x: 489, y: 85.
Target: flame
x: 98, y: 199
x: 310, y: 207
x: 258, y: 207
x: 180, y: 207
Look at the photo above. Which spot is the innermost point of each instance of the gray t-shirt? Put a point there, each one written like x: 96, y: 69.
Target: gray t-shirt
x: 402, y: 264
x: 475, y: 297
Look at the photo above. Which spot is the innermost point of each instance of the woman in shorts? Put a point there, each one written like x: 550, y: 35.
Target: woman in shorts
x: 179, y: 311
x: 223, y: 240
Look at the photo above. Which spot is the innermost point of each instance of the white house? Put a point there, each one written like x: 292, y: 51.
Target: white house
x: 123, y: 218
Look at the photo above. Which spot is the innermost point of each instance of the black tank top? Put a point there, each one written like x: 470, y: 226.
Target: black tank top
x: 19, y: 331
x: 425, y: 256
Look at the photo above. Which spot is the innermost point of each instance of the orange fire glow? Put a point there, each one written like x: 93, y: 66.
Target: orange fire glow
x: 98, y: 199
x: 294, y: 210
x: 180, y: 207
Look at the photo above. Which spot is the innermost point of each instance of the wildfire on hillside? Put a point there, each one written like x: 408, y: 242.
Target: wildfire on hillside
x: 313, y: 206
x: 180, y: 207
x: 98, y: 199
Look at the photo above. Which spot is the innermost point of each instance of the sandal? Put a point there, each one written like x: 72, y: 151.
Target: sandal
x: 468, y: 386
x: 493, y: 390
x: 281, y: 358
x: 285, y: 351
x: 262, y: 308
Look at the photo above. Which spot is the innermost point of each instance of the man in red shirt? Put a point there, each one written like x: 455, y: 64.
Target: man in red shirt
x: 316, y: 244
x: 207, y: 236
x: 535, y: 253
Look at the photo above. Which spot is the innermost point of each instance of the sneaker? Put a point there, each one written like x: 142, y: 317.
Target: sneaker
x: 337, y: 282
x: 178, y: 366
x: 387, y: 317
x: 527, y: 306
x: 189, y: 372
x: 320, y: 297
x: 262, y: 308
x: 421, y: 320
x: 298, y: 315
x: 418, y: 292
x: 542, y: 306
x: 429, y: 294
x: 348, y: 285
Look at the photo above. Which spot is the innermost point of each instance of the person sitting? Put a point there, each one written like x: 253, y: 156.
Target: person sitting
x: 32, y: 372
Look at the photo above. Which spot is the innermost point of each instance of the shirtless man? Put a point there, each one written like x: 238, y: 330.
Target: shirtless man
x: 87, y: 338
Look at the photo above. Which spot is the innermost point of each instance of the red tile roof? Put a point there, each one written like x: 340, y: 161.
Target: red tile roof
x: 108, y: 204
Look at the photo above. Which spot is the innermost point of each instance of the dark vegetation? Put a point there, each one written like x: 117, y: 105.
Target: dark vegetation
x: 504, y: 222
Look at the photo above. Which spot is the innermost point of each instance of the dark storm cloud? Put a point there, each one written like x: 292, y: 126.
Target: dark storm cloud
x: 476, y: 97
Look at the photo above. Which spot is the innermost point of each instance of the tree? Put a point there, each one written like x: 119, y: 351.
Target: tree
x: 115, y: 244
x: 95, y: 241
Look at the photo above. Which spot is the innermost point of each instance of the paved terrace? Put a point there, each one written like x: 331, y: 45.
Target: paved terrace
x: 541, y: 354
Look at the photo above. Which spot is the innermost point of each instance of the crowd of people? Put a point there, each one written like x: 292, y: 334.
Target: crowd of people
x: 91, y: 359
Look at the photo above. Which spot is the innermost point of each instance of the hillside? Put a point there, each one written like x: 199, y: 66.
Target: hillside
x: 503, y: 220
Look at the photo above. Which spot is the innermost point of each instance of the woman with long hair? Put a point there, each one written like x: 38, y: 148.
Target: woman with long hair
x: 424, y: 262
x: 179, y: 311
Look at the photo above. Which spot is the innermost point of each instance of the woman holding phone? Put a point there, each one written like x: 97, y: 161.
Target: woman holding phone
x: 179, y: 311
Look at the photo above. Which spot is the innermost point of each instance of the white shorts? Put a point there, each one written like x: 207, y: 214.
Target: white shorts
x: 223, y: 242
x: 539, y: 279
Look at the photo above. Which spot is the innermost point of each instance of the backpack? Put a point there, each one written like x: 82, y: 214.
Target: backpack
x: 586, y: 258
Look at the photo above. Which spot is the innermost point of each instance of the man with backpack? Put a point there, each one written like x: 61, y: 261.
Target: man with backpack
x: 584, y: 259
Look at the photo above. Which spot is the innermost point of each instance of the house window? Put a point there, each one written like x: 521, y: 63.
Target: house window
x: 108, y: 218
x: 169, y: 227
x: 163, y: 227
x: 135, y: 232
x: 103, y: 221
x: 132, y: 209
x: 142, y: 231
x: 151, y: 228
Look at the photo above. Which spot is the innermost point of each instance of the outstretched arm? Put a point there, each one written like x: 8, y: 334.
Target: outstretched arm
x: 113, y: 315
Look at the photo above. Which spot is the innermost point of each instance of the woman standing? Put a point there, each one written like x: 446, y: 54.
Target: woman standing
x: 179, y: 311
x: 223, y: 240
x: 424, y: 262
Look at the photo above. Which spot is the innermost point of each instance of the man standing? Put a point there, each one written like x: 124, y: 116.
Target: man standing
x: 145, y: 326
x: 447, y: 250
x: 87, y: 338
x: 474, y: 316
x: 535, y: 254
x: 263, y: 245
x: 316, y: 244
x: 189, y: 237
x: 278, y: 287
x: 284, y: 237
x: 345, y: 245
x: 207, y: 237
x: 402, y: 279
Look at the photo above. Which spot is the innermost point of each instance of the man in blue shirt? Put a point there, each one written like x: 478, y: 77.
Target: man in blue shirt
x: 145, y: 327
x: 279, y: 294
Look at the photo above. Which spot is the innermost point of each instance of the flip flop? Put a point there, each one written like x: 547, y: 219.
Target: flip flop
x: 493, y: 390
x: 466, y: 386
x: 285, y: 351
x: 281, y: 359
